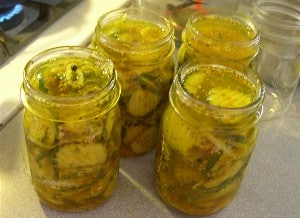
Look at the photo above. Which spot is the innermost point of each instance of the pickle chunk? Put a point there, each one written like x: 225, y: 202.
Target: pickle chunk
x: 39, y: 131
x: 81, y: 155
x: 145, y: 141
x: 142, y: 102
x: 179, y: 134
x: 220, y: 87
x: 228, y: 98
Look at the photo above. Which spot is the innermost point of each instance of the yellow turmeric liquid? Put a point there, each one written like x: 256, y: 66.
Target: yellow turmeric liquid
x: 215, y: 36
x: 74, y: 164
x: 145, y: 72
x: 199, y: 168
x: 133, y: 31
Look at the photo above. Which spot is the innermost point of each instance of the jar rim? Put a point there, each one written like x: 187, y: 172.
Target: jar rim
x: 282, y: 16
x: 193, y: 65
x: 67, y: 101
x: 118, y: 13
x: 235, y: 16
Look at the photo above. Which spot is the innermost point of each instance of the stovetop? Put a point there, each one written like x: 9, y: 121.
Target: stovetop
x: 21, y: 21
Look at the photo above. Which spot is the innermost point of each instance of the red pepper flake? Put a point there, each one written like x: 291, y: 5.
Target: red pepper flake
x: 198, y: 4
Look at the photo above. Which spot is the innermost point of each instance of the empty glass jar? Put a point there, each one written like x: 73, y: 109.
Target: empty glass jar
x: 278, y: 62
x: 72, y: 128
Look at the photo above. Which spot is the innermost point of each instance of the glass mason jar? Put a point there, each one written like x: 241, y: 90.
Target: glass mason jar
x: 278, y: 61
x: 72, y: 129
x: 219, y: 34
x: 141, y: 45
x: 208, y: 132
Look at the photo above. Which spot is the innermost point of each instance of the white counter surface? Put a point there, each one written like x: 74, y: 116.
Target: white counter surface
x: 270, y: 189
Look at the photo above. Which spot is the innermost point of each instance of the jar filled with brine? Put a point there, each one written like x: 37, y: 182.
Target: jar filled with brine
x: 208, y: 132
x: 141, y: 45
x: 72, y: 129
x: 219, y: 35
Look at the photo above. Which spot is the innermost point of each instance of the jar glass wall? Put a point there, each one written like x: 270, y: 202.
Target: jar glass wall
x: 141, y: 45
x: 208, y: 133
x: 278, y: 62
x: 218, y: 34
x: 72, y: 128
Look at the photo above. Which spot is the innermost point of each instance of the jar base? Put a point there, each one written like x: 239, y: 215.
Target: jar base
x: 274, y: 105
x: 71, y: 207
x: 188, y: 209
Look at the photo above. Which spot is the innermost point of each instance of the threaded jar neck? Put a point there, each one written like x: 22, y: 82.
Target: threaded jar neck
x: 279, y: 20
x: 234, y: 18
x: 222, y: 119
x: 109, y: 43
x: 88, y: 104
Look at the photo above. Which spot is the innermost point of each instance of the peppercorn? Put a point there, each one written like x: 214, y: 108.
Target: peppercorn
x: 74, y: 67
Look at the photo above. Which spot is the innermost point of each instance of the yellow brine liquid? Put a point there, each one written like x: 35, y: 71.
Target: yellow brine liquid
x: 133, y: 31
x: 69, y: 77
x: 207, y: 139
x: 230, y: 38
x: 72, y: 134
x: 220, y: 87
x: 141, y: 49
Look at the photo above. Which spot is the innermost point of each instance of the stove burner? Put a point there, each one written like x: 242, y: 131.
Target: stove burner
x: 22, y: 20
x: 11, y: 17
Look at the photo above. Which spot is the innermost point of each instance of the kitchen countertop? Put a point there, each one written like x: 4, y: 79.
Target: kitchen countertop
x: 271, y: 187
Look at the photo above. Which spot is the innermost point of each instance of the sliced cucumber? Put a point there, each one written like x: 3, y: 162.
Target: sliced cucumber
x: 39, y: 131
x: 42, y: 168
x: 131, y: 133
x: 192, y: 83
x: 76, y: 132
x: 142, y: 102
x: 180, y: 135
x: 145, y: 141
x: 228, y: 98
x: 148, y: 81
x: 224, y: 169
x: 81, y: 155
x: 110, y: 121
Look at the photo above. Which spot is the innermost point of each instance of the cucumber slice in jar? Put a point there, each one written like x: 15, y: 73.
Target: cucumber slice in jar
x: 41, y: 163
x: 140, y: 137
x: 132, y: 132
x: 179, y: 135
x: 39, y: 131
x: 228, y: 98
x: 149, y: 81
x: 148, y: 94
x: 192, y: 83
x: 224, y: 169
x: 220, y: 87
x: 142, y: 102
x: 109, y: 123
x: 77, y: 132
x: 145, y: 141
x: 81, y: 155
